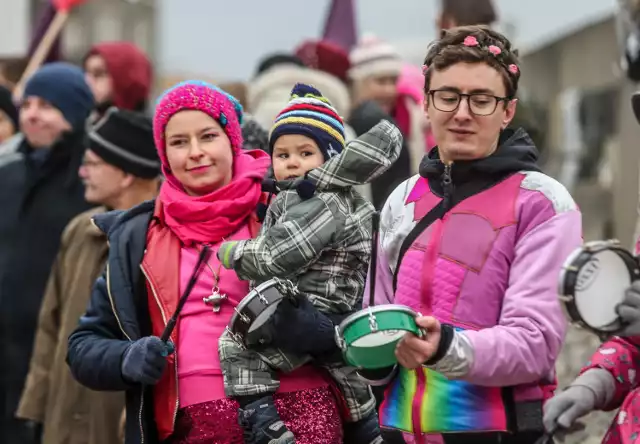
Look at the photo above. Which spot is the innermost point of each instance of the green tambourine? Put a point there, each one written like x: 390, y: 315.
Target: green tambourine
x: 368, y: 338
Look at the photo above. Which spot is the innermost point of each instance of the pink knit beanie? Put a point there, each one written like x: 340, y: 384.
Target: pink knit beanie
x: 199, y: 96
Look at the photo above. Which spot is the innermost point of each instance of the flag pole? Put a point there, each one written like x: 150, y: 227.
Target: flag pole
x: 41, y: 52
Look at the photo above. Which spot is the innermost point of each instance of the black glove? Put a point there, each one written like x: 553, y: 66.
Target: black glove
x: 298, y: 327
x: 32, y: 432
x: 145, y: 360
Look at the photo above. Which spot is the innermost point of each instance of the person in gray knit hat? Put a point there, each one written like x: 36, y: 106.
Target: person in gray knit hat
x: 120, y: 169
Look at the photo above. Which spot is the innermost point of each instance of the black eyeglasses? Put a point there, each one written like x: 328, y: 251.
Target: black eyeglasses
x: 480, y: 104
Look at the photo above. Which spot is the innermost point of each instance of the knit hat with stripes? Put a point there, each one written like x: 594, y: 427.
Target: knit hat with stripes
x: 310, y: 114
x: 124, y: 139
x: 373, y: 58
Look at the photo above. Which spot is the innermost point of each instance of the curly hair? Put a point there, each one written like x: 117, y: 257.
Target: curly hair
x: 452, y: 49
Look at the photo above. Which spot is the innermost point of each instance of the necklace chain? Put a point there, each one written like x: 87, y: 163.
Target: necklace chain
x: 216, y: 298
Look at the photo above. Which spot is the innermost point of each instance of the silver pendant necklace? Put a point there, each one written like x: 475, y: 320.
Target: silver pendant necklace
x: 216, y: 297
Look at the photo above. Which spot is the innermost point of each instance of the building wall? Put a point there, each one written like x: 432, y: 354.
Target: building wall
x: 14, y: 22
x: 103, y: 20
x: 588, y: 60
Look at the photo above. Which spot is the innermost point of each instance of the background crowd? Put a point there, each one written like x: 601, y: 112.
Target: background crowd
x: 81, y: 143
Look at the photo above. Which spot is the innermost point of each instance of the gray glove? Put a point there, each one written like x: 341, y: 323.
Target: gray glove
x: 629, y: 311
x: 590, y: 391
x: 145, y: 360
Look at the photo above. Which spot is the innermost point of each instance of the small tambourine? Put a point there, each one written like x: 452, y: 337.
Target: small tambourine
x: 257, y: 307
x: 593, y: 282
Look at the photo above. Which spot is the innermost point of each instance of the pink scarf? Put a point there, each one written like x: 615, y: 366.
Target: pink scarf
x: 217, y: 215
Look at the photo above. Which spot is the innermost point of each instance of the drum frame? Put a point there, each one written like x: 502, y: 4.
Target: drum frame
x: 568, y: 278
x: 242, y: 316
x: 370, y: 313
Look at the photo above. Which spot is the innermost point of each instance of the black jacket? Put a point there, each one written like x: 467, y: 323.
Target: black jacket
x: 37, y: 200
x: 117, y: 315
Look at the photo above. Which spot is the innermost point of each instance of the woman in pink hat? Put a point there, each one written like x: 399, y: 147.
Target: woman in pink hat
x: 175, y: 390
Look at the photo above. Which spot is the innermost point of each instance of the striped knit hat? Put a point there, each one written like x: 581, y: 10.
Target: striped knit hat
x: 373, y: 57
x: 309, y: 113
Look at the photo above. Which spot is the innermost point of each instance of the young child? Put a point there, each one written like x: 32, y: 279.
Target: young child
x: 317, y: 234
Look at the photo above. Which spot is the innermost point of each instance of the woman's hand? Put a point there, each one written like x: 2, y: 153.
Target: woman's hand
x: 413, y: 351
x: 145, y: 360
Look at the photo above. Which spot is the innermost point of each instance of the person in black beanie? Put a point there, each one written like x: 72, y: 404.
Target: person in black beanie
x: 41, y: 193
x: 8, y: 115
x: 121, y: 169
x: 122, y: 142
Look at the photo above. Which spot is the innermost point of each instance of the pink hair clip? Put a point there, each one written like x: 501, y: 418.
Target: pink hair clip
x: 493, y: 49
x: 470, y: 41
x: 513, y: 69
x: 425, y: 68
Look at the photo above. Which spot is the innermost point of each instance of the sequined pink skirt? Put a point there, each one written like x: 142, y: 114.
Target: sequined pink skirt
x: 311, y: 415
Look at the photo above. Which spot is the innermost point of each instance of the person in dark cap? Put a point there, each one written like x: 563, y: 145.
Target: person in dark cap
x: 41, y: 193
x: 121, y: 169
x: 8, y: 115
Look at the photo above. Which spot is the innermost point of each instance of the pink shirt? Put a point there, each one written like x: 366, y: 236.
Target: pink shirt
x: 199, y: 373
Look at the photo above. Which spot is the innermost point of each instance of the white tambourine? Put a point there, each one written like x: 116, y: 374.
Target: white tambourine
x: 593, y: 282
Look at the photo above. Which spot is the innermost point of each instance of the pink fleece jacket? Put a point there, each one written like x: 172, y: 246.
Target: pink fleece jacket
x: 199, y: 373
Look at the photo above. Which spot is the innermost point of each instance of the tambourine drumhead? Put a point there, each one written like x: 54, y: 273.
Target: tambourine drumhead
x: 368, y: 338
x: 380, y: 338
x: 593, y: 281
x: 254, y: 293
x: 600, y: 287
x: 255, y: 309
x: 264, y: 316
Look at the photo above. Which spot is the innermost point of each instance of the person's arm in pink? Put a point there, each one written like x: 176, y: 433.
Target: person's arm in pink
x: 525, y: 344
x: 620, y: 357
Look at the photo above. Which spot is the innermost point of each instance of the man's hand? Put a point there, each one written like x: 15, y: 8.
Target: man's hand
x: 413, y: 351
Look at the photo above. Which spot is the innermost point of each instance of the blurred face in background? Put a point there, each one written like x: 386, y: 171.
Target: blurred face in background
x: 381, y: 89
x: 41, y: 123
x: 104, y: 183
x: 7, y: 128
x: 98, y: 77
x: 199, y: 152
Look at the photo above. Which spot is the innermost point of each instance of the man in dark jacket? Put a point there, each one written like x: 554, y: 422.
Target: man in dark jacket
x: 41, y: 193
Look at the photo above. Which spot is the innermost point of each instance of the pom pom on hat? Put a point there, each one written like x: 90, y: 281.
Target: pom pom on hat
x: 305, y: 189
x: 310, y: 114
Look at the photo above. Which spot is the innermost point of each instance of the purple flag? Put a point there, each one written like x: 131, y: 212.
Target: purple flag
x: 340, y: 26
x: 45, y: 17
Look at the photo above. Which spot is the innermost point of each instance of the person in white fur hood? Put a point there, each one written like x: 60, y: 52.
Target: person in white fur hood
x: 270, y: 89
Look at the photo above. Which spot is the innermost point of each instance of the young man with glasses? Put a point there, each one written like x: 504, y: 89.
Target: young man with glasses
x: 475, y: 242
